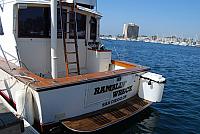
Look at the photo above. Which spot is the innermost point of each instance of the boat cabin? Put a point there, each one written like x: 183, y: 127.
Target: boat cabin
x: 27, y: 30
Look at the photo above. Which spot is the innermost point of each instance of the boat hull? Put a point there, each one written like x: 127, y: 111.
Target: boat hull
x: 75, y: 100
x: 57, y: 100
x: 51, y: 105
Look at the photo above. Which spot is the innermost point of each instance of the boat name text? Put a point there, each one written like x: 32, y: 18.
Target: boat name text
x: 109, y: 88
x: 122, y: 91
x: 114, y: 87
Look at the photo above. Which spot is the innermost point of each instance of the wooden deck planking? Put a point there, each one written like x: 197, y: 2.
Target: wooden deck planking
x: 99, y: 120
x: 43, y: 83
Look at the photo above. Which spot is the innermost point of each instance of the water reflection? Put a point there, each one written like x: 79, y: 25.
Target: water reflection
x: 144, y: 122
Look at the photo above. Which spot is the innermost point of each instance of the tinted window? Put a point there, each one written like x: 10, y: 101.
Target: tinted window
x: 81, y: 26
x: 93, y: 28
x: 34, y: 22
x: 59, y: 35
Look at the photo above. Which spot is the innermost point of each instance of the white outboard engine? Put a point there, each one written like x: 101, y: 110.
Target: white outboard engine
x: 151, y: 87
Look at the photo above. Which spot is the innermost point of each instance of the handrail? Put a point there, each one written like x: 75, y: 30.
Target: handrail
x: 14, y: 58
x: 5, y: 57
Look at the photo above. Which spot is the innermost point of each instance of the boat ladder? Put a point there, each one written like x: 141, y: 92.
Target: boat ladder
x: 71, y: 23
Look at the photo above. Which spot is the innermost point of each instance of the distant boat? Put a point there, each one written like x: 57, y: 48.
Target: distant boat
x: 197, y: 45
x: 183, y: 44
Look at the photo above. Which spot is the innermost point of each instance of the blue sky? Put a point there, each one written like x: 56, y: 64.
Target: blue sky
x: 155, y: 17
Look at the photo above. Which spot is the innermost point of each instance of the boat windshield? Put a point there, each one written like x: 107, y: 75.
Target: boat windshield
x: 34, y: 22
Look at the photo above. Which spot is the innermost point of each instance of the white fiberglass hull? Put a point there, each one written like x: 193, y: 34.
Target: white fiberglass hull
x: 54, y: 104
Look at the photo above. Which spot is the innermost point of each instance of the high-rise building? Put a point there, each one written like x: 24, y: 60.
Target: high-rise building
x: 131, y: 31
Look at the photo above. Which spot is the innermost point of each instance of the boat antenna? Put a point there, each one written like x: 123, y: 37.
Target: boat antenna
x: 2, y: 5
x: 96, y: 6
x: 118, y: 56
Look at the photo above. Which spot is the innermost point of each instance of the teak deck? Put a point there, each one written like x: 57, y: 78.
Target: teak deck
x: 43, y: 84
x: 107, y: 117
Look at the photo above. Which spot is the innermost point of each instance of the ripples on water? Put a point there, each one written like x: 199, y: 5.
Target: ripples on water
x: 179, y: 111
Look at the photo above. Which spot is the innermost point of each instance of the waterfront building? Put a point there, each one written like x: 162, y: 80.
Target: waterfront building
x: 130, y: 30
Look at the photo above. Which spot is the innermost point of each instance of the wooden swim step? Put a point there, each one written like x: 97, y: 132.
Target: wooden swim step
x: 106, y: 117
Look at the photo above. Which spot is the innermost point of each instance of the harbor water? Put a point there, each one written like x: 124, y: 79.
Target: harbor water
x: 179, y: 111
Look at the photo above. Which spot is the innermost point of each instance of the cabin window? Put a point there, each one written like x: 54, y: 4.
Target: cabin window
x: 34, y: 22
x: 81, y: 26
x: 59, y: 32
x: 85, y: 5
x: 93, y: 28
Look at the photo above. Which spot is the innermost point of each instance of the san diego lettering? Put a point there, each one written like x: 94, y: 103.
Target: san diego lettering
x: 113, y: 101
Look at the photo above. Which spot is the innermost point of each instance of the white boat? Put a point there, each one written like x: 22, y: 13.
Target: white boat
x: 197, y: 45
x: 183, y: 44
x: 55, y: 74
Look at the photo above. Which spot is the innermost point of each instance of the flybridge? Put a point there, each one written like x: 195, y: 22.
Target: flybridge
x: 85, y: 3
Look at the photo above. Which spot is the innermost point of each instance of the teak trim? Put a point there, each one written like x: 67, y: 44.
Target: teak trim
x: 43, y: 84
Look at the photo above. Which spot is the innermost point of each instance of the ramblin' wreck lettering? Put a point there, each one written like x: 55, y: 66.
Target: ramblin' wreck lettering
x: 109, y: 88
x: 122, y: 91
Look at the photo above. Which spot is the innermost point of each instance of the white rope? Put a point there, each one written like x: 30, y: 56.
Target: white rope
x: 26, y: 77
x: 6, y: 79
x: 26, y: 89
x: 3, y: 83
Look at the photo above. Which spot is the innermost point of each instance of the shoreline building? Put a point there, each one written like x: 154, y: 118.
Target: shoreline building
x: 130, y: 30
